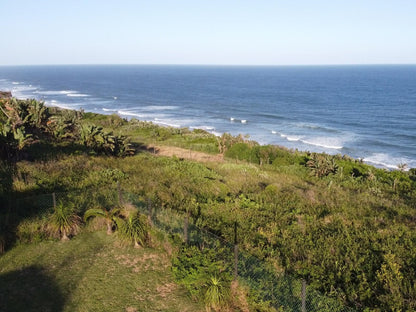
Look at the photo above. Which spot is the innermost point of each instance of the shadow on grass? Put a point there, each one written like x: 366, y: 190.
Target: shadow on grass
x: 48, y: 150
x: 30, y: 289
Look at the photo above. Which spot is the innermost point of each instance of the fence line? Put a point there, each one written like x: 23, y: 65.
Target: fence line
x: 281, y: 291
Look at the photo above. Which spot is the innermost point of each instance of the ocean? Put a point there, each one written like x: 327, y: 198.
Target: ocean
x: 366, y: 112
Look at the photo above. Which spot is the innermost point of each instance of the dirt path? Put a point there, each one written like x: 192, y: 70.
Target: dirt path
x: 184, y: 153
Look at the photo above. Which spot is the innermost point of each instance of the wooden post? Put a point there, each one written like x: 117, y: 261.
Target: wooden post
x: 54, y: 200
x: 235, y: 252
x: 185, y: 228
x: 9, y: 211
x: 120, y: 197
x: 303, y: 295
x: 150, y: 216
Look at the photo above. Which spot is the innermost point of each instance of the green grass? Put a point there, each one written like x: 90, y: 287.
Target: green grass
x: 92, y: 272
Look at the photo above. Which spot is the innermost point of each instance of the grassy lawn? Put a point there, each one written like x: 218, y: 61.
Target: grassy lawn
x: 92, y: 272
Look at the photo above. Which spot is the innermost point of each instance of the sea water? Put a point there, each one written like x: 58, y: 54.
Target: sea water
x: 366, y: 112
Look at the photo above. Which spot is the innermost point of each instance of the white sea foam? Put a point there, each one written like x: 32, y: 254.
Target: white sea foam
x: 156, y: 107
x: 207, y: 128
x: 322, y: 142
x: 387, y: 161
x: 66, y: 92
x: 22, y: 91
x: 109, y: 109
x: 127, y: 113
x: 290, y: 138
x: 70, y: 93
x: 166, y: 122
x: 77, y: 94
x: 134, y: 113
x: 232, y: 118
x: 59, y: 104
x: 55, y: 92
x: 15, y: 83
x: 325, y: 142
x: 243, y: 121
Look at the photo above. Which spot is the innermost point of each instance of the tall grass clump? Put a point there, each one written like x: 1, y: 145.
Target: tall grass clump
x: 64, y: 222
x: 217, y: 294
x: 134, y: 229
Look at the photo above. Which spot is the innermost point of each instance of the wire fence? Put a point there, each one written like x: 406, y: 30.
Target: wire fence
x: 279, y: 290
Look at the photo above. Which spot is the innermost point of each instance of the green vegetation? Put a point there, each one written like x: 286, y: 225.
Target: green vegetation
x: 110, y: 216
x: 134, y: 229
x: 345, y: 227
x: 64, y: 221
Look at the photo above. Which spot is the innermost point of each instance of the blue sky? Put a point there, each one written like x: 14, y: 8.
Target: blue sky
x: 278, y: 32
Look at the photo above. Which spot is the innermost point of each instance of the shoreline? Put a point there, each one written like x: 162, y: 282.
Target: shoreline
x: 378, y: 165
x: 180, y: 151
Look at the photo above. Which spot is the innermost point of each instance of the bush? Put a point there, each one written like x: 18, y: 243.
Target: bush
x: 194, y: 268
x: 32, y: 230
x: 242, y: 151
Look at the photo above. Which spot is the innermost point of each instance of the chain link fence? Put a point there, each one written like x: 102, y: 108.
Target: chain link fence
x: 279, y: 290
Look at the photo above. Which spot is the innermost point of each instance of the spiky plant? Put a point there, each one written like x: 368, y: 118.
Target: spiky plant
x: 321, y: 164
x: 134, y: 229
x: 64, y: 221
x: 110, y: 216
x: 216, y: 295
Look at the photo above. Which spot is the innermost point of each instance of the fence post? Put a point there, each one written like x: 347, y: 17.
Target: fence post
x: 303, y: 295
x: 185, y: 228
x: 150, y: 216
x: 235, y: 252
x: 9, y: 211
x: 120, y: 197
x: 54, y: 200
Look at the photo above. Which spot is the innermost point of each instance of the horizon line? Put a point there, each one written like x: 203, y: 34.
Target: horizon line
x: 211, y: 65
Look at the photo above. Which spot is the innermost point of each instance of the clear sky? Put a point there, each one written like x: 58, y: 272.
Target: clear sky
x: 235, y: 32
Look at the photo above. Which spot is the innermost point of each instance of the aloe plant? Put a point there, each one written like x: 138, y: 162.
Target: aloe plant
x: 322, y: 165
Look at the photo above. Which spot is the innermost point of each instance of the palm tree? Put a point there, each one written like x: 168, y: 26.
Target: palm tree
x: 64, y: 221
x: 110, y: 216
